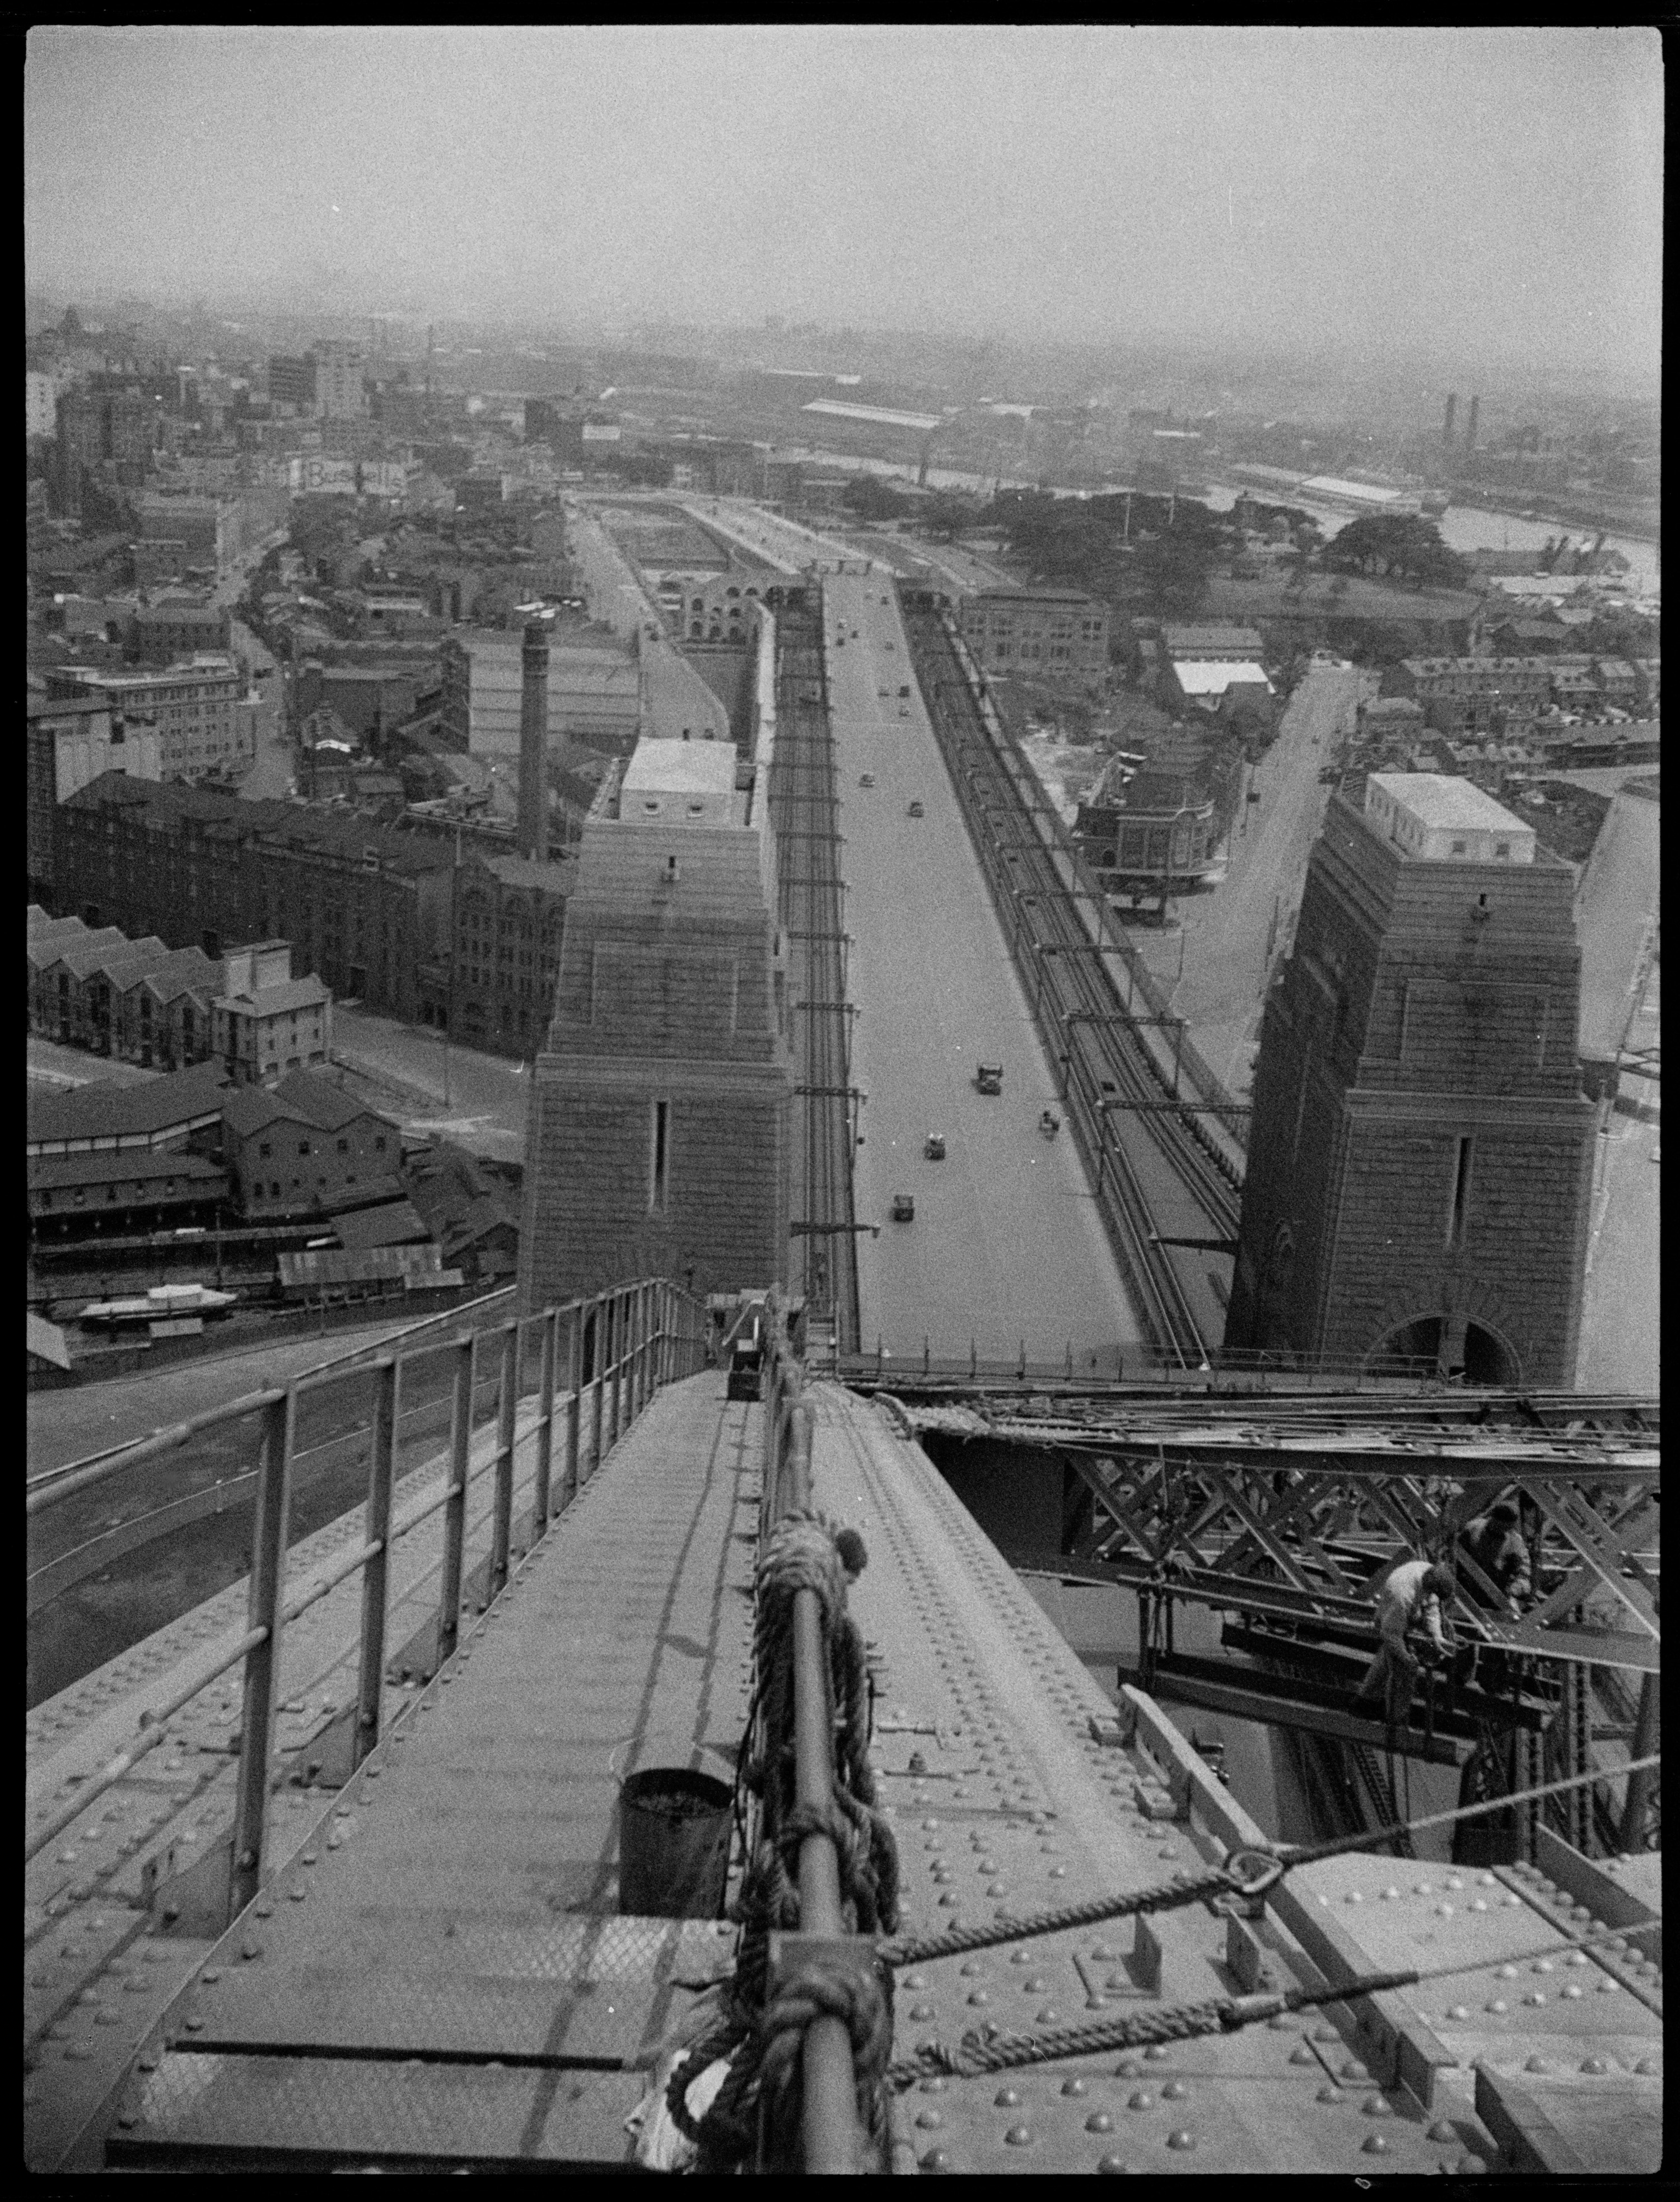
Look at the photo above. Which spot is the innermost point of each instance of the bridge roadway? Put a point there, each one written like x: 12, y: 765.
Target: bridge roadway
x: 437, y: 1976
x: 1006, y: 1223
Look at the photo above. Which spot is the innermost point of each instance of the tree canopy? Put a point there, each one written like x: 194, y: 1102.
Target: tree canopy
x: 1400, y: 546
x: 871, y: 499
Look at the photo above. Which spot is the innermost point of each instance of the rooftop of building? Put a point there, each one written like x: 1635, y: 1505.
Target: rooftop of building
x: 201, y: 666
x: 276, y: 1001
x: 391, y: 1223
x: 1026, y: 596
x: 236, y: 816
x: 326, y: 1100
x: 48, y: 1173
x: 661, y: 768
x: 105, y: 1110
x: 1439, y: 800
x: 526, y: 872
x: 1212, y: 676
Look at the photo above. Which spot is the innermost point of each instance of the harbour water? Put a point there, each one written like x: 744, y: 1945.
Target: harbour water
x: 1463, y: 527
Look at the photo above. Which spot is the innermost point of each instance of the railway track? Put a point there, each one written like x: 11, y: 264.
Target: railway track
x: 1157, y: 1171
x: 805, y: 812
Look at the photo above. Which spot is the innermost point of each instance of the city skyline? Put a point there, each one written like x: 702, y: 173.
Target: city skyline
x: 1071, y: 184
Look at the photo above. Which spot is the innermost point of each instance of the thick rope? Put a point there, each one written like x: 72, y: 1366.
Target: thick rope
x: 835, y: 1991
x: 755, y: 2115
x: 1164, y: 1896
x: 997, y: 2052
x: 1217, y: 1880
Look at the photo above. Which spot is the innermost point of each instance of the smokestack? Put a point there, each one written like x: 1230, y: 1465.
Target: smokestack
x: 1470, y: 432
x: 1452, y: 410
x: 534, y: 744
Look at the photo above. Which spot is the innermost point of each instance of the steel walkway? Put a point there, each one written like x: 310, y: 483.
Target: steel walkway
x: 442, y: 1980
x: 443, y: 1976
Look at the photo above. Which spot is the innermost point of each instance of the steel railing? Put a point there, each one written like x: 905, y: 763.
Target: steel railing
x: 620, y: 1348
x: 1251, y: 1368
x: 61, y: 1483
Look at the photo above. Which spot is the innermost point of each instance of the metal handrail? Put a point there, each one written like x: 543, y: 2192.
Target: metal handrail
x: 75, y: 1475
x: 828, y: 2110
x: 654, y: 1331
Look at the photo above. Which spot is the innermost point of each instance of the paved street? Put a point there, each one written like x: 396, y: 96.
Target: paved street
x: 1228, y: 944
x: 1620, y: 1340
x: 451, y: 1092
x: 51, y: 1067
x: 1005, y: 1244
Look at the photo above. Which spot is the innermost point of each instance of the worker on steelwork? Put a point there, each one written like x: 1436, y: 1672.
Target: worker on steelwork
x: 1411, y: 1595
x: 1495, y: 1541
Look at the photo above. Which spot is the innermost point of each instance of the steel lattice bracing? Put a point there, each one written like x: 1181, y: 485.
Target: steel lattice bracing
x: 1283, y: 1513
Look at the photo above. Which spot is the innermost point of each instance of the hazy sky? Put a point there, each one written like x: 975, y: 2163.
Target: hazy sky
x: 1480, y: 192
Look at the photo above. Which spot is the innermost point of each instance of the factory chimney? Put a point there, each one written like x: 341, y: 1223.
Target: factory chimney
x: 1452, y: 410
x: 534, y: 744
x: 1469, y: 430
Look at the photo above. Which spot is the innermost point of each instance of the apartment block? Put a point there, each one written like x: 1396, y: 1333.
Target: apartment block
x: 1048, y: 633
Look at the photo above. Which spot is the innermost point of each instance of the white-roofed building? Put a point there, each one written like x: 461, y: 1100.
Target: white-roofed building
x: 1219, y: 687
x: 1433, y: 817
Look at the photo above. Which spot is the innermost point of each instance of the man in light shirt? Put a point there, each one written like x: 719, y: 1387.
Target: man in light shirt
x: 1411, y: 1593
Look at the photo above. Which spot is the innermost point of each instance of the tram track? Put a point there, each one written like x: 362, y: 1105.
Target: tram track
x: 804, y: 809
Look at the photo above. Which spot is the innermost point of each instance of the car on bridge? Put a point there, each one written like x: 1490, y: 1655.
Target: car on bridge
x: 904, y: 1208
x: 915, y: 810
x: 988, y: 1077
x: 933, y: 1147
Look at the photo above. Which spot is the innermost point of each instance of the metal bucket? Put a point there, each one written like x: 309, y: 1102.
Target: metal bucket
x: 674, y: 1829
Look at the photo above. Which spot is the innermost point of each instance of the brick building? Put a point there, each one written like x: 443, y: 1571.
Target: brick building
x: 362, y: 905
x: 306, y: 1148
x: 205, y: 717
x: 1048, y: 632
x: 594, y: 693
x: 66, y: 745
x: 1155, y: 828
x: 505, y: 952
x: 264, y: 1022
x: 91, y: 1196
x: 1421, y: 1159
x: 175, y: 628
x: 1457, y: 692
x: 659, y: 1141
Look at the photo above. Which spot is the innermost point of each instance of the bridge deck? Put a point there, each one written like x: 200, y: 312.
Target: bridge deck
x: 441, y: 1978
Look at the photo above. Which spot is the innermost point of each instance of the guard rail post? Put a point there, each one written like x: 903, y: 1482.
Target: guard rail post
x: 455, y: 1506
x: 262, y: 1678
x: 574, y: 1400
x: 633, y: 1366
x: 539, y: 1499
x: 616, y: 1331
x: 507, y: 1402
x: 598, y: 1367
x: 376, y: 1571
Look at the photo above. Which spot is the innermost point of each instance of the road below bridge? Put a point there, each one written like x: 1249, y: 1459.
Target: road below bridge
x: 1005, y: 1248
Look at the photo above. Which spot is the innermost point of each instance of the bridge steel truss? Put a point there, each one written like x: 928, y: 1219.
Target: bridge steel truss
x: 1283, y: 1514
x: 804, y: 809
x: 1161, y: 1140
